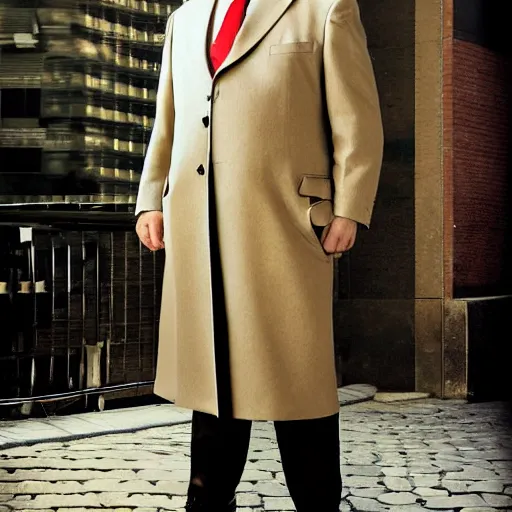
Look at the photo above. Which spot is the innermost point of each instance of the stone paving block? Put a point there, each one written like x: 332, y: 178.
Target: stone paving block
x: 505, y: 474
x: 271, y: 489
x: 114, y: 499
x: 265, y: 465
x: 494, y: 486
x: 259, y: 444
x: 395, y: 471
x: 171, y: 487
x: 445, y: 466
x: 255, y: 475
x: 22, y: 475
x: 429, y: 491
x: 280, y: 478
x: 440, y: 446
x: 423, y: 470
x: 362, y: 481
x: 397, y: 498
x: 264, y: 455
x: 416, y: 447
x: 396, y: 483
x: 478, y: 509
x: 421, y: 460
x: 153, y: 475
x: 386, y: 442
x: 451, y: 457
x: 361, y: 458
x: 132, y: 486
x: 5, y: 498
x: 455, y: 486
x: 246, y: 499
x: 366, y: 504
x: 487, y: 455
x: 80, y: 509
x: 245, y: 487
x: 497, y: 500
x: 278, y: 504
x: 369, y: 492
x: 47, y: 501
x: 457, y: 501
x: 480, y: 463
x: 345, y: 506
x: 354, y: 470
x: 471, y: 473
x: 407, y: 508
x: 39, y: 487
x: 392, y: 461
x: 503, y: 464
x: 112, y: 454
x: 104, y: 464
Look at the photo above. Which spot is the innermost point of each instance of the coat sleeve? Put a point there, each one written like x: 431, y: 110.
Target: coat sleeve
x: 158, y: 156
x: 354, y: 113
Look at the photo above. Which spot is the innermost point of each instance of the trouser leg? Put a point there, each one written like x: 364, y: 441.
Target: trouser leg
x: 219, y: 450
x: 310, y: 454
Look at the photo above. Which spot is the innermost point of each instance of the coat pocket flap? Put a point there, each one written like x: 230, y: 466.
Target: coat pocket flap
x: 315, y: 186
x: 321, y: 213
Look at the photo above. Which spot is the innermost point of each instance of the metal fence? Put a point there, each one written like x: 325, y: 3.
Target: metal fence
x: 79, y: 306
x: 79, y: 297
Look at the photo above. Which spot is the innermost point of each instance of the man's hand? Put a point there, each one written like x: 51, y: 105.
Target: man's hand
x: 339, y: 236
x: 150, y: 229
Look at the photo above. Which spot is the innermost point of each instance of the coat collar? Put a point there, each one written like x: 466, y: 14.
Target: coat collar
x: 261, y: 17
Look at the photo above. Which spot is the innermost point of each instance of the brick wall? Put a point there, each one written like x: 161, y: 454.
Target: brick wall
x: 478, y: 86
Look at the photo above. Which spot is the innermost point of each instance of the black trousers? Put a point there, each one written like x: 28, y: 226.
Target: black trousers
x: 310, y: 455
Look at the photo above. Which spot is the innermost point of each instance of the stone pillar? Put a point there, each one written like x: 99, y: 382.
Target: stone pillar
x: 431, y: 33
x: 375, y: 295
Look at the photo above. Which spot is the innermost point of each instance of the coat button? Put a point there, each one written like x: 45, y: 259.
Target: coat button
x: 206, y: 121
x: 200, y: 170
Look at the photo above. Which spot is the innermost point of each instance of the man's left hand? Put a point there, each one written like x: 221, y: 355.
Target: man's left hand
x: 339, y: 236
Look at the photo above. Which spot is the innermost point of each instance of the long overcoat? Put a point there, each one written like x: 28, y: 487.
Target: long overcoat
x: 285, y: 135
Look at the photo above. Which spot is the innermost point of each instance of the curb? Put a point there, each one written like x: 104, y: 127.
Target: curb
x: 85, y: 435
x: 89, y: 425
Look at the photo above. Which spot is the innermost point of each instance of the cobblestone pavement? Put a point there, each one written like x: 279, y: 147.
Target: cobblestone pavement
x: 401, y: 457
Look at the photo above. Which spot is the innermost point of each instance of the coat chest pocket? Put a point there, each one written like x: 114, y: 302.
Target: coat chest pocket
x: 297, y: 47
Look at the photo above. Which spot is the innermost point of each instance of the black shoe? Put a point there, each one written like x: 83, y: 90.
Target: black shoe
x: 198, y: 504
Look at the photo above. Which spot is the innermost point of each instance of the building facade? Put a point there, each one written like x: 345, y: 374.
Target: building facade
x: 420, y: 303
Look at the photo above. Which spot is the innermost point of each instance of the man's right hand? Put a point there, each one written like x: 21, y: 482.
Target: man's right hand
x: 150, y: 229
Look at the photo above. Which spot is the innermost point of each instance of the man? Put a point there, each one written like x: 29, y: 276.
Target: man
x: 264, y: 158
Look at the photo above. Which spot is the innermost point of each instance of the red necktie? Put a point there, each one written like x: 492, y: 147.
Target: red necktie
x: 221, y: 47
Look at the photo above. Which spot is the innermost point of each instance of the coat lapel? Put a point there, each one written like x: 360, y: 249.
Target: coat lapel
x: 260, y: 19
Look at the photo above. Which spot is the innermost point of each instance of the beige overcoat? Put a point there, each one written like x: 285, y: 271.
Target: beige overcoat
x: 291, y: 118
